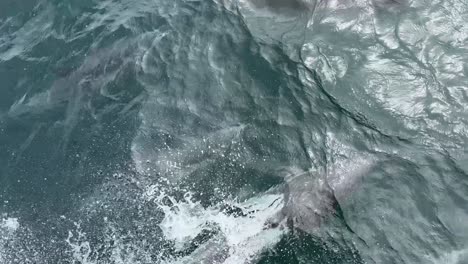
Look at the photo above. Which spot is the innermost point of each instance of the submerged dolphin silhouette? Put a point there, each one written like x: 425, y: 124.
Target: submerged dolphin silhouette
x: 213, y: 251
x: 282, y: 5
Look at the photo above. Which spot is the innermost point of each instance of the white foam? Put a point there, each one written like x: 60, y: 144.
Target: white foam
x: 245, y: 237
x: 9, y: 224
x: 80, y: 247
x: 184, y: 220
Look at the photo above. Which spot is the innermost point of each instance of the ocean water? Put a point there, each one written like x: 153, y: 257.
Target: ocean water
x: 233, y: 131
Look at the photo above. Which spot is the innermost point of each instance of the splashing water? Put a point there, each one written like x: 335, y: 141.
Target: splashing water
x: 243, y: 237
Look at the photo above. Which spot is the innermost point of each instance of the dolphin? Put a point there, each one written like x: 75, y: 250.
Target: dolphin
x: 310, y: 198
x: 307, y: 200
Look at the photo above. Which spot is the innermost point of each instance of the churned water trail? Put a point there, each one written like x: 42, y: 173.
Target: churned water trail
x: 233, y: 131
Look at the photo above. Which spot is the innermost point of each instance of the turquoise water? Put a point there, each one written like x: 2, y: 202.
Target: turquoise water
x: 233, y: 131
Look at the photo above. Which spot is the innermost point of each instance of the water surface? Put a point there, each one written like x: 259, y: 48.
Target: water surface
x: 157, y: 131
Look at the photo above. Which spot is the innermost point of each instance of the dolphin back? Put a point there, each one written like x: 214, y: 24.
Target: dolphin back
x: 310, y: 198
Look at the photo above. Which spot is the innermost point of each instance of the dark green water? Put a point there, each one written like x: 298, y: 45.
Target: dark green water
x: 165, y: 131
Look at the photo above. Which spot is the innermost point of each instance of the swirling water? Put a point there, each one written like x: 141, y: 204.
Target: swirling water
x: 165, y: 131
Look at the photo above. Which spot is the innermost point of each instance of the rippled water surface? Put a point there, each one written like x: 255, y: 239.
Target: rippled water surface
x: 233, y: 131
